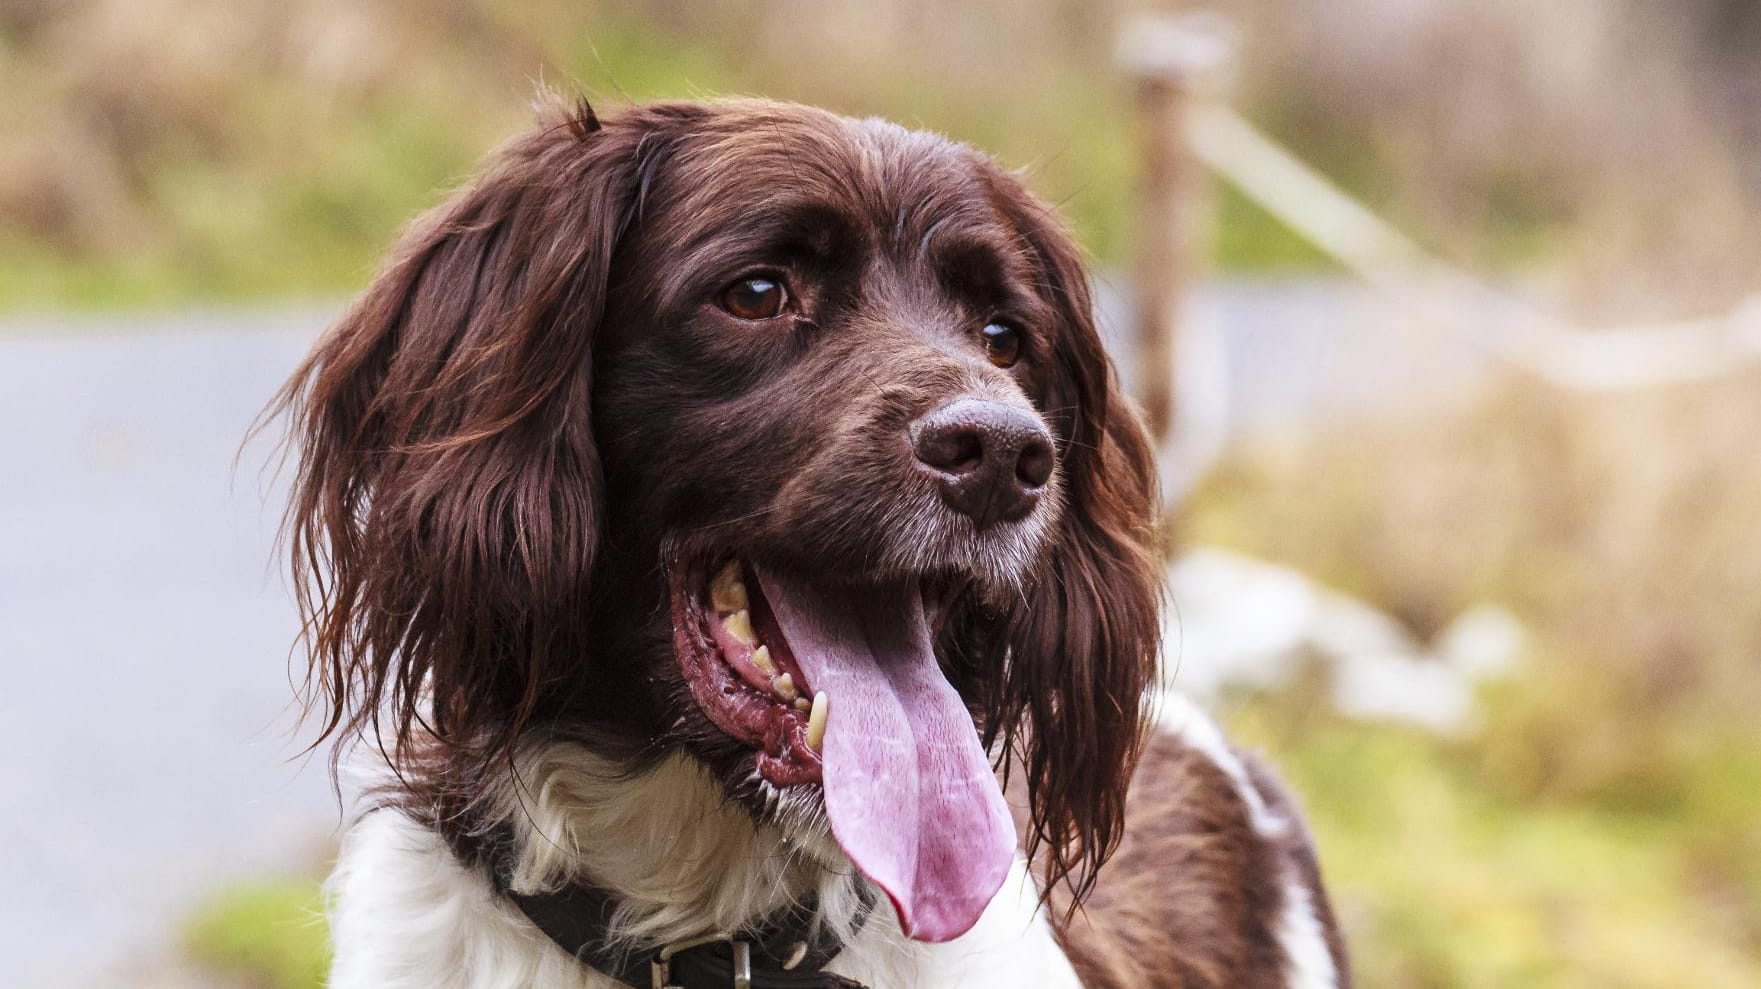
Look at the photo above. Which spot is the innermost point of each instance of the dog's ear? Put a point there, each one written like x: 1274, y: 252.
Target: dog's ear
x: 1083, y: 641
x: 447, y: 509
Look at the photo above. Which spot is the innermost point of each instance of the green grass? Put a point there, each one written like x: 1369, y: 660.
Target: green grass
x: 1444, y: 880
x: 285, y: 193
x: 310, y: 225
x: 1602, y: 826
x: 268, y: 934
x: 302, y: 194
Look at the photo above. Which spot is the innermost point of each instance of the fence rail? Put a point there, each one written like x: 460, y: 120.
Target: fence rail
x: 1179, y: 62
x: 1529, y: 339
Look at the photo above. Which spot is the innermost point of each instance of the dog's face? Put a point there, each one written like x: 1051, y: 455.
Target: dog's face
x: 773, y: 435
x: 825, y: 348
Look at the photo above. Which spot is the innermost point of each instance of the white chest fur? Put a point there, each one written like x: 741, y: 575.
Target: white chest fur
x: 405, y: 913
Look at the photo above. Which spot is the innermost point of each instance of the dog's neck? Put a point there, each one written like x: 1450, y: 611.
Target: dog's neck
x: 683, y: 859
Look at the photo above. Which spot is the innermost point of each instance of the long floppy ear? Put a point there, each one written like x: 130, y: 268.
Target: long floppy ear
x: 447, y: 508
x: 1084, y: 640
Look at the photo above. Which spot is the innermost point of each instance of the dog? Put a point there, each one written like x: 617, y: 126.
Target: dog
x: 698, y: 522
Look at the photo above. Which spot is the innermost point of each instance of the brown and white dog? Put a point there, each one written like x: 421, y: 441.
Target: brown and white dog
x: 703, y: 515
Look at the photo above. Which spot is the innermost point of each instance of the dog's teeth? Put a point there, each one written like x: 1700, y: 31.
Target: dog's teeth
x: 726, y: 590
x: 739, y: 625
x: 803, y: 705
x: 816, y: 721
x: 785, y: 687
x: 761, y: 659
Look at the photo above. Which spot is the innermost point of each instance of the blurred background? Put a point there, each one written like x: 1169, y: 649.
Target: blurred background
x: 1458, y: 309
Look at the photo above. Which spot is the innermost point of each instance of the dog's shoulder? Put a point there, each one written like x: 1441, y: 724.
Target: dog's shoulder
x: 1215, y: 883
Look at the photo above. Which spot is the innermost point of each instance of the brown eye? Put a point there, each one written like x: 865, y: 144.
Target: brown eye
x: 758, y: 297
x: 1002, y: 344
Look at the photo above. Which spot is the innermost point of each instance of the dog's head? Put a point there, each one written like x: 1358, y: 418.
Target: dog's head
x: 744, y: 428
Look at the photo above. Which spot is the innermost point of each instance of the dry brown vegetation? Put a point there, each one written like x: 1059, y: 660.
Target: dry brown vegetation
x: 1602, y: 826
x: 103, y: 94
x: 174, y: 149
x: 1625, y: 529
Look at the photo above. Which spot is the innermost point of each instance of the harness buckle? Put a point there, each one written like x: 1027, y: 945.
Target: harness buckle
x: 742, y: 965
x: 660, y: 967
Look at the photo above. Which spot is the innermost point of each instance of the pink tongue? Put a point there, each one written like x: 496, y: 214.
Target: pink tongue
x: 911, y: 796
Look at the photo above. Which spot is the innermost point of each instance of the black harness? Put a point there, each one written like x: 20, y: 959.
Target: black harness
x: 787, y: 950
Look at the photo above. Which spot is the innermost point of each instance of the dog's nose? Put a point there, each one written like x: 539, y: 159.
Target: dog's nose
x: 990, y: 460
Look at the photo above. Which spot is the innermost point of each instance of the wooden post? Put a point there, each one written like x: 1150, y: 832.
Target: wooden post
x: 1171, y: 60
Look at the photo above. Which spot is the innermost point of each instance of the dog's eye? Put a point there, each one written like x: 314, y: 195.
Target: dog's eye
x: 757, y: 297
x: 1002, y: 344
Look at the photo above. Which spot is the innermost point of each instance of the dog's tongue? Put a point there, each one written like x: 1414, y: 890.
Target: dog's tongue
x: 911, y: 796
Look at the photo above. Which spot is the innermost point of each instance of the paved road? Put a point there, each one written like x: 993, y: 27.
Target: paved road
x: 142, y: 634
x: 144, y: 627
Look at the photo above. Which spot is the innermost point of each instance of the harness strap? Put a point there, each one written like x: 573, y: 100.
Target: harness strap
x: 787, y: 950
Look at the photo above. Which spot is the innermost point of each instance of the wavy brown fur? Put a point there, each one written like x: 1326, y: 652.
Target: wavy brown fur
x: 491, y: 469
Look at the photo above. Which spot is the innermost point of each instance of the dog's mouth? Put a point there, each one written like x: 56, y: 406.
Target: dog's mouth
x: 838, y: 685
x: 744, y: 675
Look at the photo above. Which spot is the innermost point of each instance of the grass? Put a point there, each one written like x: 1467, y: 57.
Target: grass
x: 276, y: 185
x: 267, y: 934
x: 276, y: 147
x: 1602, y: 827
x: 308, y: 228
x: 1444, y: 879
